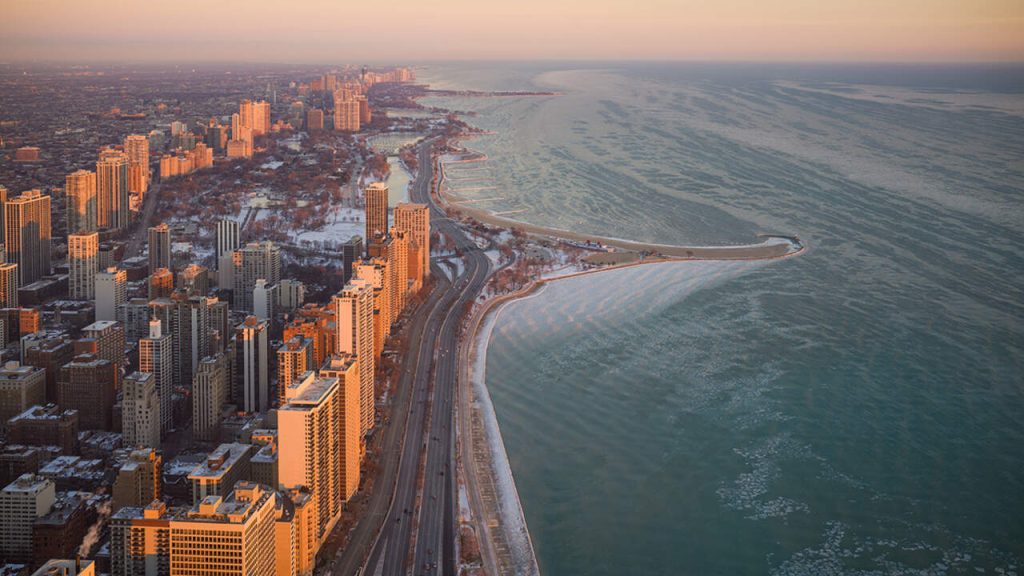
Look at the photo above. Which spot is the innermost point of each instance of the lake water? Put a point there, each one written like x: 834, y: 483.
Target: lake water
x: 855, y: 410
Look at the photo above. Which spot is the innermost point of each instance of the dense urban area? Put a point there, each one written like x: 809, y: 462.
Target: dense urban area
x: 225, y: 351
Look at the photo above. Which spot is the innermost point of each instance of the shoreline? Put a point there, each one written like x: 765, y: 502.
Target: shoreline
x: 765, y: 250
x: 495, y: 510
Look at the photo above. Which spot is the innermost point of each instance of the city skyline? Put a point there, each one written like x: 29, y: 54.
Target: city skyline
x: 746, y: 30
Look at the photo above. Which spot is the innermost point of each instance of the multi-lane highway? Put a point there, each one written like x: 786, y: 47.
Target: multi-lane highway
x: 422, y: 437
x: 430, y: 429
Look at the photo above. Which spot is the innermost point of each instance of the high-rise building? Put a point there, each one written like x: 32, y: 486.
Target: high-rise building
x: 354, y: 317
x: 108, y: 338
x: 20, y: 388
x: 83, y: 264
x: 314, y: 120
x: 80, y: 192
x: 138, y: 479
x: 365, y: 116
x: 318, y: 324
x: 226, y: 536
x: 309, y: 452
x: 187, y: 320
x: 140, y: 411
x: 376, y: 196
x: 136, y: 146
x: 265, y: 297
x: 295, y: 532
x: 399, y: 260
x: 221, y: 327
x: 160, y: 284
x: 225, y: 466
x: 159, y: 247
x: 227, y: 243
x: 210, y: 389
x: 156, y: 358
x: 294, y: 357
x: 139, y: 540
x: 8, y: 285
x: 252, y: 381
x: 88, y: 384
x: 21, y: 502
x: 351, y: 252
x: 346, y: 113
x: 194, y: 280
x: 112, y: 190
x: 27, y: 235
x: 345, y: 368
x: 377, y: 272
x: 49, y: 353
x: 415, y: 219
x: 257, y: 260
x: 260, y: 117
x: 292, y: 294
x: 111, y: 292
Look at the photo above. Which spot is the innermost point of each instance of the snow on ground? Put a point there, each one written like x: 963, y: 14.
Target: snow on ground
x: 495, y: 257
x: 272, y: 165
x: 513, y: 519
x: 464, y: 512
x: 342, y: 224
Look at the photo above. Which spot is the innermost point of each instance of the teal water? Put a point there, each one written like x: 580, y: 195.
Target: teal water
x: 855, y: 410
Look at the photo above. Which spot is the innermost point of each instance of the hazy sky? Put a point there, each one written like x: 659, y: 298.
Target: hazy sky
x: 367, y: 30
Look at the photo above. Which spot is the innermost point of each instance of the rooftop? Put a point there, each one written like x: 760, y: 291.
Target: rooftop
x: 308, y: 391
x: 220, y: 460
x: 99, y: 326
x: 27, y: 483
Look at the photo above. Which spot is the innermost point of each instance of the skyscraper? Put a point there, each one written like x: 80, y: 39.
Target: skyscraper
x: 354, y: 316
x: 309, y: 451
x: 88, y: 384
x: 109, y: 340
x: 161, y: 283
x: 83, y: 264
x: 194, y: 280
x: 159, y: 247
x: 8, y: 285
x: 227, y: 243
x: 346, y: 113
x: 376, y: 196
x: 252, y: 379
x: 314, y: 120
x: 210, y: 389
x: 257, y: 260
x: 345, y: 368
x: 27, y: 231
x: 156, y: 358
x: 140, y: 411
x: 260, y: 117
x: 187, y: 320
x: 80, y: 191
x: 111, y: 292
x: 237, y: 531
x: 294, y: 357
x: 112, y: 190
x: 136, y: 146
x: 415, y: 219
x: 351, y: 251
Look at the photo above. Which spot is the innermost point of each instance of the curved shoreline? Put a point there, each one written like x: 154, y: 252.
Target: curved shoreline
x: 500, y: 522
x: 765, y: 250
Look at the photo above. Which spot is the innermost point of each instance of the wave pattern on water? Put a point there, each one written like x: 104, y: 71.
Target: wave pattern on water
x: 852, y: 411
